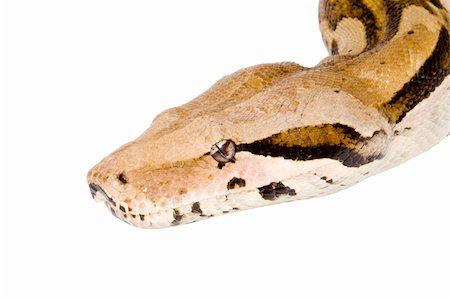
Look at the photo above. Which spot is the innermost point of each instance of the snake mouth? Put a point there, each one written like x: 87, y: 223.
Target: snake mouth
x: 186, y: 213
x: 120, y: 211
x: 192, y: 210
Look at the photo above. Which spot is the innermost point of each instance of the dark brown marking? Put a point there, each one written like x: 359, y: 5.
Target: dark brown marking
x: 275, y: 190
x: 334, y: 47
x: 292, y: 192
x: 176, y: 216
x: 142, y: 217
x: 196, y: 208
x: 235, y: 183
x: 121, y: 177
x: 122, y: 208
x: 329, y: 181
x: 394, y: 14
x: 425, y: 81
x: 437, y: 3
x: 333, y: 141
x: 397, y: 132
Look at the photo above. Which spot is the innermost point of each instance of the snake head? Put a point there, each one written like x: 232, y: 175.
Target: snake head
x: 254, y: 138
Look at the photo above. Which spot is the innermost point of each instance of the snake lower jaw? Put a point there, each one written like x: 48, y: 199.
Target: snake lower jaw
x: 180, y: 214
x: 187, y: 213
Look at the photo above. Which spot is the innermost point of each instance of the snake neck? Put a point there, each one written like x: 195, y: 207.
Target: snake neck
x: 407, y: 41
x: 350, y: 27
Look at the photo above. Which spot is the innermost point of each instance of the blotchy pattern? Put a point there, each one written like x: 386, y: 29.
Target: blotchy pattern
x: 279, y: 132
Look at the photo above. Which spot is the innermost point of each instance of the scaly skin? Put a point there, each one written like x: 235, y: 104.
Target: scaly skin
x: 379, y: 100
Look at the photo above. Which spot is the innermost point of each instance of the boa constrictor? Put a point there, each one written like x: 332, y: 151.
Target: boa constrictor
x: 279, y: 132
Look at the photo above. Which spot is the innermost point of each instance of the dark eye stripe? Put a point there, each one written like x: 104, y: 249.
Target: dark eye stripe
x: 333, y: 141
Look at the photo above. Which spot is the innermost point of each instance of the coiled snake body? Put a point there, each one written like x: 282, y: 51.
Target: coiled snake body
x: 279, y: 132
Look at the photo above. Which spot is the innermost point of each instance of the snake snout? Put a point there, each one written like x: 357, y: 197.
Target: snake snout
x: 98, y: 194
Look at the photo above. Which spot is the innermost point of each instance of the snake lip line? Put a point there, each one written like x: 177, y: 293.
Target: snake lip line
x: 172, y: 216
x: 126, y: 214
x: 150, y: 220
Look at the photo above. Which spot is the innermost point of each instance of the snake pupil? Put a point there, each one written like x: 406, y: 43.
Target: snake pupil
x: 223, y: 151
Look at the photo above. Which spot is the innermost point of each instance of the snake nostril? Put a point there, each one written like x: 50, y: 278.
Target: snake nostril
x: 97, y: 193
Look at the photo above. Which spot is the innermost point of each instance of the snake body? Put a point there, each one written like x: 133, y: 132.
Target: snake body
x: 279, y: 132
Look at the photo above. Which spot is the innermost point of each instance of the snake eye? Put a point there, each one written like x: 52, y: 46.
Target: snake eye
x: 223, y: 151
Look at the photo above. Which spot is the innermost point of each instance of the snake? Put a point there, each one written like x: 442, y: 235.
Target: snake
x: 279, y: 132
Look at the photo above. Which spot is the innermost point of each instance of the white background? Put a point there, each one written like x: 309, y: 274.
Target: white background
x: 81, y: 78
